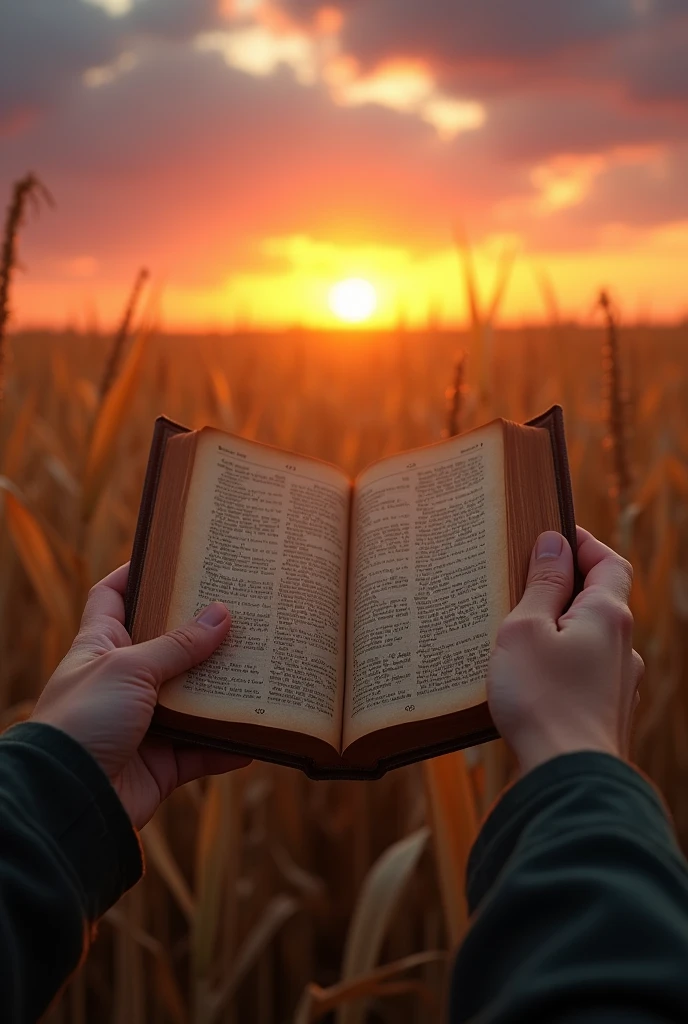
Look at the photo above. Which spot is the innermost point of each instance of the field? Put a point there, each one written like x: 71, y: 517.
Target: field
x: 269, y: 898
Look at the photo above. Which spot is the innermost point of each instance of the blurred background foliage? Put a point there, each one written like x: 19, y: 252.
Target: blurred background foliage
x: 270, y: 898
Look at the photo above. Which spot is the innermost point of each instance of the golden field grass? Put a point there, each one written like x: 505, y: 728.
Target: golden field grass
x: 270, y: 898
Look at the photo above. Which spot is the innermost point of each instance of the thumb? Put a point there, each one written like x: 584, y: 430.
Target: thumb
x: 182, y: 648
x: 550, y: 578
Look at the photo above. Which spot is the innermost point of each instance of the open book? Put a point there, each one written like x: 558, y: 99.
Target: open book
x: 363, y: 612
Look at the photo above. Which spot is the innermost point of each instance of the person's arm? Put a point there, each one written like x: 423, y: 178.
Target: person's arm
x: 67, y: 853
x: 76, y: 782
x: 581, y: 896
x: 577, y: 886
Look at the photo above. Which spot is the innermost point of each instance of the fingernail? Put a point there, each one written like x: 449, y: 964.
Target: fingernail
x: 549, y: 545
x: 213, y: 615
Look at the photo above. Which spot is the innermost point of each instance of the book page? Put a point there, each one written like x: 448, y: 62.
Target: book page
x: 266, y: 532
x: 428, y: 582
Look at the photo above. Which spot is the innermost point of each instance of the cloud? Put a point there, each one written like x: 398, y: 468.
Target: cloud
x: 187, y: 164
x: 45, y: 46
x: 175, y: 136
x: 498, y: 47
x: 173, y: 19
x: 452, y: 33
x: 652, y: 69
x: 257, y: 51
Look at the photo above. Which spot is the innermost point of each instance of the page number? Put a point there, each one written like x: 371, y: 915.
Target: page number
x: 260, y: 711
x: 292, y: 468
x: 410, y: 707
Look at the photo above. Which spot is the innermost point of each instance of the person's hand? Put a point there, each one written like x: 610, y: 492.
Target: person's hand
x: 104, y: 691
x: 559, y: 683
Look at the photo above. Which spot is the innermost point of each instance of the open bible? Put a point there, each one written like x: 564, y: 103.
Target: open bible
x: 364, y: 612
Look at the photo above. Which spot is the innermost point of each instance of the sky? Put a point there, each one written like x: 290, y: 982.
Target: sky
x: 254, y: 153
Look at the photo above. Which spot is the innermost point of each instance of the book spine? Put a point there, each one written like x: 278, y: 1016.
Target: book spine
x: 553, y: 422
x: 164, y: 429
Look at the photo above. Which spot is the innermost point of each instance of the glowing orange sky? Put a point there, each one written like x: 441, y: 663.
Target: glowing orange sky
x: 252, y: 154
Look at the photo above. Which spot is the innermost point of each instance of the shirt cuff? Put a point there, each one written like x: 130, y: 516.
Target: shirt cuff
x: 534, y: 793
x: 78, y: 807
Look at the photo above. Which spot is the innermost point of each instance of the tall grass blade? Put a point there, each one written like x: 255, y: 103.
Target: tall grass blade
x: 382, y: 889
x: 549, y: 297
x: 504, y: 269
x: 17, y: 442
x: 106, y: 431
x: 122, y: 333
x: 129, y: 981
x: 621, y: 481
x: 28, y: 189
x: 316, y: 1002
x: 166, y: 983
x: 218, y: 857
x: 455, y: 395
x: 276, y: 914
x: 454, y: 821
x: 159, y: 853
x: 40, y: 564
x: 465, y: 254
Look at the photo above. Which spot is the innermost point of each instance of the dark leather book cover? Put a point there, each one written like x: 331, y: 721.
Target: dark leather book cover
x: 483, y: 730
x: 163, y: 430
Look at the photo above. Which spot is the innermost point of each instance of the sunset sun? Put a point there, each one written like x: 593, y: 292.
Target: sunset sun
x: 353, y: 300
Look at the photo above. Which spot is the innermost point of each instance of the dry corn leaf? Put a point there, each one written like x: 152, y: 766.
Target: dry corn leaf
x: 679, y: 592
x: 16, y: 444
x: 221, y: 398
x: 61, y: 376
x: 166, y: 983
x: 504, y: 268
x: 381, y: 891
x: 278, y: 911
x: 111, y: 415
x: 168, y: 990
x: 253, y: 421
x: 469, y: 277
x: 660, y: 582
x: 158, y: 851
x: 454, y: 820
x: 88, y: 393
x: 48, y: 439
x: 129, y: 994
x: 217, y: 868
x: 650, y: 487
x: 62, y: 476
x: 311, y: 888
x: 38, y: 559
x: 69, y: 561
x: 678, y: 474
x: 317, y: 1001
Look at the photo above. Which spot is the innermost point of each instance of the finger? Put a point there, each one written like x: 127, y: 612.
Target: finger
x: 602, y: 567
x: 638, y: 669
x: 106, y: 599
x: 195, y: 763
x: 118, y: 578
x: 550, y: 578
x: 182, y: 648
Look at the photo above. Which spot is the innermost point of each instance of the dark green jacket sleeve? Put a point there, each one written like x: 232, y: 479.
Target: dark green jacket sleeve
x: 67, y: 853
x: 580, y: 901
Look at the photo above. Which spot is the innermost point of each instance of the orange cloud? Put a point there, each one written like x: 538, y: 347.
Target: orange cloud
x: 254, y: 153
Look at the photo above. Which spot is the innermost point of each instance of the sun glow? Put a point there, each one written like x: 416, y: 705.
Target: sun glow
x: 353, y: 300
